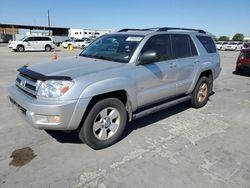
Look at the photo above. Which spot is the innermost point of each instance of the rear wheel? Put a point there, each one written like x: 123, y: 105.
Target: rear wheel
x: 200, y: 93
x: 20, y: 48
x: 104, y: 124
x: 238, y: 71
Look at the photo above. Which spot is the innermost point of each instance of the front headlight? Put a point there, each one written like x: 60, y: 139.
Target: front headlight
x: 54, y: 88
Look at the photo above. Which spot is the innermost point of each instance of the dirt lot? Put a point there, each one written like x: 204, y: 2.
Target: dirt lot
x: 177, y: 147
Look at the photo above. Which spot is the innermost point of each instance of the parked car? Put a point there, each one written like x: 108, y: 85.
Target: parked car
x: 246, y: 45
x: 33, y: 43
x: 243, y: 62
x: 234, y: 46
x: 77, y: 43
x: 117, y: 78
x: 220, y: 44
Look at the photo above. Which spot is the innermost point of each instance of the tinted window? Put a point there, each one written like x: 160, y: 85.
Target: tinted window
x: 31, y: 39
x: 247, y: 54
x: 38, y: 38
x: 181, y: 46
x: 193, y: 48
x: 161, y: 44
x: 207, y: 43
x: 46, y: 39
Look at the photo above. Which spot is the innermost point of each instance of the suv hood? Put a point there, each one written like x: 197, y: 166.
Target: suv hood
x: 74, y: 67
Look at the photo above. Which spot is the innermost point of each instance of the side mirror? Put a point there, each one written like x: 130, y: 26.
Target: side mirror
x: 149, y: 56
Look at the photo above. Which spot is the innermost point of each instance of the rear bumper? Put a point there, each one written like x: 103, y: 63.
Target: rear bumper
x: 244, y: 67
x: 70, y: 111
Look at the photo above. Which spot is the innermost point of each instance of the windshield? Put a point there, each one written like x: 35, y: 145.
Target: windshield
x: 23, y: 38
x: 119, y: 48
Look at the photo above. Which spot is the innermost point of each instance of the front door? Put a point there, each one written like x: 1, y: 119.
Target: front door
x: 156, y: 81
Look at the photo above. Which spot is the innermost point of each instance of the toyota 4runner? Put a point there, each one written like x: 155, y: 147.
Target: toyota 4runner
x: 117, y: 78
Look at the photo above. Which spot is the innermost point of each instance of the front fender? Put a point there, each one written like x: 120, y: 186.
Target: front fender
x: 112, y: 84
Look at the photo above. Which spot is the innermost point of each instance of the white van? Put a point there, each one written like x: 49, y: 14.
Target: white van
x: 33, y: 43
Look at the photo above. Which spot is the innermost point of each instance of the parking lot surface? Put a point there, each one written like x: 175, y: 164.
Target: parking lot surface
x: 177, y: 147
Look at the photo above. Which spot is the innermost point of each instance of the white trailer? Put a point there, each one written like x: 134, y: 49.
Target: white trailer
x: 88, y: 33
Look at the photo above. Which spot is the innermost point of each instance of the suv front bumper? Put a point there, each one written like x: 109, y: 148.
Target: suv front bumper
x: 70, y: 112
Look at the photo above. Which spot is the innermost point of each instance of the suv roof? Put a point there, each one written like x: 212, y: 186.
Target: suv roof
x: 159, y: 29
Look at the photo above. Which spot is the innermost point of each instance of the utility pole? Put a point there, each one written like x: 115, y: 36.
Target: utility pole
x: 48, y: 20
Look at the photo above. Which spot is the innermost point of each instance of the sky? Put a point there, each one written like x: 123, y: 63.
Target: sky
x: 220, y: 17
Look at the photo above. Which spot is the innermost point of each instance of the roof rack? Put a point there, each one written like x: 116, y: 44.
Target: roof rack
x: 164, y: 29
x: 178, y: 28
x: 125, y: 30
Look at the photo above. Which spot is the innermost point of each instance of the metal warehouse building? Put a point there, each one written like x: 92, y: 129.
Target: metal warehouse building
x: 9, y: 31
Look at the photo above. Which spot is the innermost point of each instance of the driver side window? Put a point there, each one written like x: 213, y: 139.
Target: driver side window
x: 161, y: 44
x: 27, y: 39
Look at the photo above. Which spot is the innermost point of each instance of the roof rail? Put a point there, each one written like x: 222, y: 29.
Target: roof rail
x: 125, y: 30
x: 163, y: 29
x: 178, y: 28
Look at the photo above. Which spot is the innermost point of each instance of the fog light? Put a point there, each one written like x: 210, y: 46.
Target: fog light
x: 43, y: 119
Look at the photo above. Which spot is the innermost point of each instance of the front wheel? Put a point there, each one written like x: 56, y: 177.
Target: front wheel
x: 104, y: 124
x: 20, y: 48
x: 200, y: 93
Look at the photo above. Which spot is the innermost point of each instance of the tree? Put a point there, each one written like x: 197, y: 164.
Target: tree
x: 215, y: 38
x: 238, y: 37
x: 223, y: 38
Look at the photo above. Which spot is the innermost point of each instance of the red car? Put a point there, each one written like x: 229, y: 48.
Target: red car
x: 246, y: 45
x: 243, y: 62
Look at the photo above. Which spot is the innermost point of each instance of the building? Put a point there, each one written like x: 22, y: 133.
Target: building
x: 9, y: 31
x: 88, y: 33
x: 247, y: 38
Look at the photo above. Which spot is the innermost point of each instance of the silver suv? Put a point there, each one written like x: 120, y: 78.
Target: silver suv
x: 33, y: 43
x: 118, y: 78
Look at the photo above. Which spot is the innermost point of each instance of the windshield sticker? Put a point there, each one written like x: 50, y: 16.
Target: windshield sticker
x: 134, y: 39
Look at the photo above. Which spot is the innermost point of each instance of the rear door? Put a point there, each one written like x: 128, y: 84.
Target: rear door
x: 187, y: 60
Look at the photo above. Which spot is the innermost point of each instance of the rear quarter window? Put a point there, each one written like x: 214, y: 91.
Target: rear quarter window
x: 207, y: 43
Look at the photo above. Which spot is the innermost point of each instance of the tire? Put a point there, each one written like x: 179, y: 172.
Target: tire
x: 201, y: 93
x: 98, y: 131
x: 238, y: 71
x: 20, y: 48
x: 48, y: 48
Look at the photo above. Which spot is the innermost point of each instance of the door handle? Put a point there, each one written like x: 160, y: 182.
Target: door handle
x: 172, y: 65
x: 196, y: 61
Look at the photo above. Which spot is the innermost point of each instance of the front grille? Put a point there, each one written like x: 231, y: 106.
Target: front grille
x: 27, y: 85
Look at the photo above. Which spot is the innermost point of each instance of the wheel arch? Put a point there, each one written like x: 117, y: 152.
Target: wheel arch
x: 122, y: 95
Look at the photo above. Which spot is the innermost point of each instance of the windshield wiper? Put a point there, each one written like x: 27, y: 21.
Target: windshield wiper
x: 97, y: 57
x: 102, y: 57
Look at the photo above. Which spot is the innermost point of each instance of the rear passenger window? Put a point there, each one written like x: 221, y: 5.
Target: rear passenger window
x: 193, y: 48
x: 207, y: 43
x: 32, y: 39
x: 161, y: 44
x: 46, y: 39
x: 38, y: 38
x: 182, y: 46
